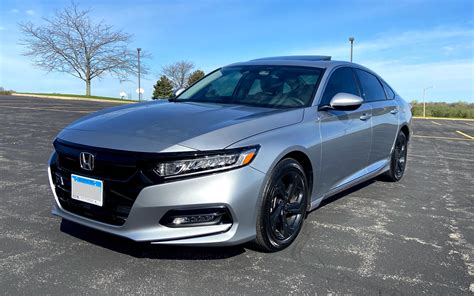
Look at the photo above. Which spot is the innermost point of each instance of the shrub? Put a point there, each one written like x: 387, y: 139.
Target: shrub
x: 5, y: 92
x: 450, y: 110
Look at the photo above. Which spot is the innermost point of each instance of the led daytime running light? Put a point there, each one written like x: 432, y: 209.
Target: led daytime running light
x: 206, y: 163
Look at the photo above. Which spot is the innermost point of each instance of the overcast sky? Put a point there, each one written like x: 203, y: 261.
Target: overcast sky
x: 412, y: 44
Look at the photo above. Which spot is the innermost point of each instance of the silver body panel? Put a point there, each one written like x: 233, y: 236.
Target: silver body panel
x: 211, y: 190
x: 344, y: 148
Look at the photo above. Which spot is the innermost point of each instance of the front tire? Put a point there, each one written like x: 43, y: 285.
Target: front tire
x: 283, y: 209
x: 398, y: 159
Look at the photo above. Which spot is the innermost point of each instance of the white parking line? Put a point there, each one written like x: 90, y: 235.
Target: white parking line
x: 435, y: 122
x: 60, y: 107
x: 438, y: 157
x: 443, y: 138
x: 46, y: 109
x: 465, y: 135
x: 444, y: 118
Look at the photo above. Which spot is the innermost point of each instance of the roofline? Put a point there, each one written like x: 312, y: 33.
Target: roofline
x: 295, y: 57
x: 289, y: 62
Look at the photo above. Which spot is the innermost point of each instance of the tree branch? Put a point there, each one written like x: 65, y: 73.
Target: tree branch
x: 72, y: 43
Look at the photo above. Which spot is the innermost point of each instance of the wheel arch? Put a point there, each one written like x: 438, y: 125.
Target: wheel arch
x: 302, y: 158
x: 287, y: 142
x: 305, y: 162
x: 406, y: 130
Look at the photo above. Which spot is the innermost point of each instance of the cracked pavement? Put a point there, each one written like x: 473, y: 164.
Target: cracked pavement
x: 411, y: 237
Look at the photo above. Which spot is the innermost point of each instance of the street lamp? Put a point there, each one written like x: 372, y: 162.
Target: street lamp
x: 351, y: 40
x: 139, y: 88
x: 424, y: 103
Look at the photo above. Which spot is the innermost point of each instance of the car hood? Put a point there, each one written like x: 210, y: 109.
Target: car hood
x: 175, y: 126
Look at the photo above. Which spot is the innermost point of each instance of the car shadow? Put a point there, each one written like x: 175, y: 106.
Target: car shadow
x: 173, y: 252
x: 147, y: 250
x: 346, y: 192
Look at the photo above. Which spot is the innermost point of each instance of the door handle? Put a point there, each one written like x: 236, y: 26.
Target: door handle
x: 394, y: 111
x: 365, y: 116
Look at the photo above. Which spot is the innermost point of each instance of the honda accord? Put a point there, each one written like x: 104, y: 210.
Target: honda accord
x: 241, y: 155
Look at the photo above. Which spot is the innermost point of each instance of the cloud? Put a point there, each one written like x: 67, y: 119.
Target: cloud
x: 411, y: 38
x: 457, y: 48
x: 412, y: 60
x: 30, y: 12
x: 447, y: 49
x: 414, y: 41
x: 453, y: 79
x: 14, y: 10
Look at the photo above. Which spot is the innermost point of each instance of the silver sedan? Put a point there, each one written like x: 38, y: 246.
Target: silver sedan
x: 242, y: 155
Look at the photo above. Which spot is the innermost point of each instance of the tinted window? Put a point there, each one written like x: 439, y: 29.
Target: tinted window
x: 224, y: 86
x: 341, y: 80
x: 371, y: 88
x: 265, y: 86
x: 388, y: 91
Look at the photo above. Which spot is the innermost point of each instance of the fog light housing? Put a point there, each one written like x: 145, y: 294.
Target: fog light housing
x: 196, y: 217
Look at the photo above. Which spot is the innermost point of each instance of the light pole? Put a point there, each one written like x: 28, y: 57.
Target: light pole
x: 139, y: 88
x: 351, y: 40
x: 424, y: 103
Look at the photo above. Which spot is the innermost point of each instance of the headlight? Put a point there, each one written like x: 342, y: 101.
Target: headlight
x: 204, y: 163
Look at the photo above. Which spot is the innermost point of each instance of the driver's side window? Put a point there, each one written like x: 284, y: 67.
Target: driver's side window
x: 341, y: 80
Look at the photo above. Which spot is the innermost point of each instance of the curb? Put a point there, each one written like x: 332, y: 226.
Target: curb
x: 72, y: 98
x: 443, y: 118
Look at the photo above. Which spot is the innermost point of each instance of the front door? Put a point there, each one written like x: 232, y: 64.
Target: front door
x: 346, y: 135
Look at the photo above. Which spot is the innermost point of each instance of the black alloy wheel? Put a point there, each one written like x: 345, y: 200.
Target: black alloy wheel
x: 284, y: 206
x: 398, y: 160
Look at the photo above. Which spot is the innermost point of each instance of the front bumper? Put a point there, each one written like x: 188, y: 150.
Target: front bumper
x: 238, y: 190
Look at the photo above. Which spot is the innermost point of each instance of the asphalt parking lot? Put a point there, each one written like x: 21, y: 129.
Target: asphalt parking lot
x: 411, y: 237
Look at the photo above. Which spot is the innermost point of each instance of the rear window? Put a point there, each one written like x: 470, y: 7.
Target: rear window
x: 388, y: 91
x: 372, y: 90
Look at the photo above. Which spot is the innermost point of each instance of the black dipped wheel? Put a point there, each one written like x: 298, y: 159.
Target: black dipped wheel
x: 399, y: 159
x: 283, y: 208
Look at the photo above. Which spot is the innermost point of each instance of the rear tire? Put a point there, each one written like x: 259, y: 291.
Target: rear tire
x: 283, y: 208
x: 398, y: 159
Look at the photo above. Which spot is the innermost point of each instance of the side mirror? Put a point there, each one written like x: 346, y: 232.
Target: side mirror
x: 178, y: 91
x: 345, y: 102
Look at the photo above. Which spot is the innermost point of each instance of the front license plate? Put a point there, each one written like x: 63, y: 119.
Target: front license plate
x: 87, y: 190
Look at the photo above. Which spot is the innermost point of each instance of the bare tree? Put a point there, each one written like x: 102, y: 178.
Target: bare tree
x: 72, y: 43
x: 178, y: 73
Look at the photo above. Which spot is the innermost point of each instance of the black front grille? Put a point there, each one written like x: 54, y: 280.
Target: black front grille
x: 124, y: 175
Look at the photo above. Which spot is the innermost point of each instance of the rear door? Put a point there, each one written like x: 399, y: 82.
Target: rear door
x: 346, y: 135
x: 384, y: 117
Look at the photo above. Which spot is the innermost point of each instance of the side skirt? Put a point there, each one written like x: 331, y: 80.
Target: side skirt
x: 372, y: 171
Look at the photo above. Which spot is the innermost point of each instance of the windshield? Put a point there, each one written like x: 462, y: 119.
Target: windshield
x: 264, y: 86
